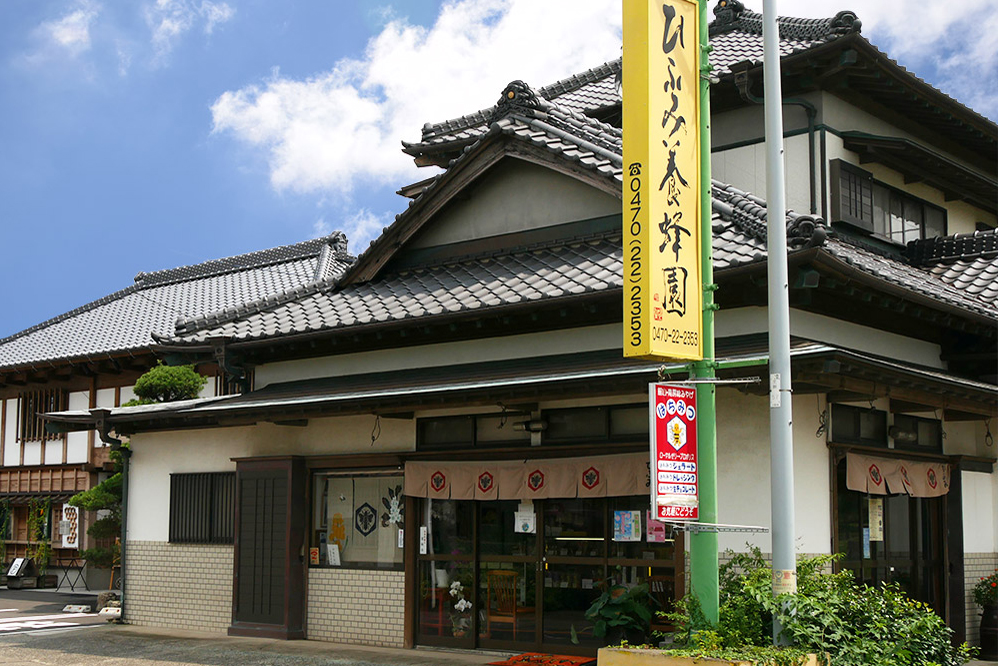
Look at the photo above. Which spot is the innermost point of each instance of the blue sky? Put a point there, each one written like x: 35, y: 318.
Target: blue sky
x: 146, y: 134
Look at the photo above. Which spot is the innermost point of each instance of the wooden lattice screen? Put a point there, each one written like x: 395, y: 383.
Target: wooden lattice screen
x: 31, y: 427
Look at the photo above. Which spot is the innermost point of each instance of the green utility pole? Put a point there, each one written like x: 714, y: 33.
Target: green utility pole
x: 703, y: 545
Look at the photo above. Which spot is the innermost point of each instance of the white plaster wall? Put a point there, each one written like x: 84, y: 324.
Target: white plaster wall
x: 515, y: 196
x: 76, y: 442
x: 844, y: 116
x: 156, y: 455
x: 834, y: 332
x: 980, y: 512
x: 745, y: 168
x: 743, y: 462
x: 105, y: 398
x: 964, y: 438
x: 127, y: 393
x: 53, y: 452
x: 33, y: 453
x: 11, y: 447
x: 594, y: 338
x: 426, y: 356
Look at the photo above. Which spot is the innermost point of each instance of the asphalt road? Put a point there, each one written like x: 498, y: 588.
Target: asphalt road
x: 40, y: 611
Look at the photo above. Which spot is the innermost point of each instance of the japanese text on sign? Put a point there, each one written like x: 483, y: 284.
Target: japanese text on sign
x: 673, y: 428
x: 662, y: 281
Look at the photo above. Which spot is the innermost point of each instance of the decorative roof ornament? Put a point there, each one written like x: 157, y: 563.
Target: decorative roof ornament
x: 727, y: 12
x: 845, y: 21
x: 516, y: 96
x: 731, y: 16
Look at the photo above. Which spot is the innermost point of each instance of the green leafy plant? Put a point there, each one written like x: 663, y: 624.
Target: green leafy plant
x: 623, y: 608
x: 831, y: 614
x: 165, y: 383
x: 986, y: 591
x: 105, y: 496
x: 5, y: 515
x: 39, y: 548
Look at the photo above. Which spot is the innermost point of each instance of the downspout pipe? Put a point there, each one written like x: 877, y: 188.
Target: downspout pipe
x: 744, y: 85
x: 103, y: 430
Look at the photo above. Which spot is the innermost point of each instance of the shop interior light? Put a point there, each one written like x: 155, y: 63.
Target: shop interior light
x: 899, y: 435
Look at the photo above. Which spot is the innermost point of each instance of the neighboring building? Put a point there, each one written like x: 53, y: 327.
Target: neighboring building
x: 468, y: 367
x: 90, y: 358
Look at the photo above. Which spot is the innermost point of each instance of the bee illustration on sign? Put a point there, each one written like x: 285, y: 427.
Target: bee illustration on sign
x: 677, y: 433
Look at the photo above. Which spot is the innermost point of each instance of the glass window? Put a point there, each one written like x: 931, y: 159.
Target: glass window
x: 882, y: 210
x: 628, y: 421
x: 356, y: 521
x: 576, y: 424
x: 574, y: 528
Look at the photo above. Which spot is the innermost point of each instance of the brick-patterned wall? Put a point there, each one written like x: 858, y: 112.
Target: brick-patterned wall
x: 187, y: 586
x: 356, y: 606
x: 976, y: 566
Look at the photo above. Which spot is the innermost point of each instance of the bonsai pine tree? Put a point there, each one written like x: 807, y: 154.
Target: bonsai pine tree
x: 162, y: 383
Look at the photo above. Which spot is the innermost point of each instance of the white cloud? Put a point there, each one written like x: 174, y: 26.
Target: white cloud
x: 169, y: 20
x: 949, y: 44
x: 67, y: 36
x: 321, y: 228
x: 362, y: 227
x: 326, y: 133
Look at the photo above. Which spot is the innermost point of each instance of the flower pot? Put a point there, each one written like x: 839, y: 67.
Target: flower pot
x: 989, y: 633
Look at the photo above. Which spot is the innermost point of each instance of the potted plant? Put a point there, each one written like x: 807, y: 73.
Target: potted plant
x: 986, y: 596
x: 621, y: 613
x: 460, y: 616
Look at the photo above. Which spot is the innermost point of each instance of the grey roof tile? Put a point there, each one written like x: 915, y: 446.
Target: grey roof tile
x: 125, y: 320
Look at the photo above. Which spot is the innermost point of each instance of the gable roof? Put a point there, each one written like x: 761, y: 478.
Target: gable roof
x: 736, y: 40
x: 123, y: 322
x: 560, y: 270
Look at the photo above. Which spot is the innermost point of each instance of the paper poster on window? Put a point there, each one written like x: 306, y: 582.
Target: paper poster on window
x: 525, y: 522
x: 364, y: 515
x: 333, y: 554
x: 627, y: 526
x: 657, y: 531
x: 876, y: 505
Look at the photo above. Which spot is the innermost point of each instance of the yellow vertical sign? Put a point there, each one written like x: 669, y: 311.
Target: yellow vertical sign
x: 663, y: 293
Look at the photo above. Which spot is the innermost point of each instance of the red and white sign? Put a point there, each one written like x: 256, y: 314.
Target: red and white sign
x: 674, y: 492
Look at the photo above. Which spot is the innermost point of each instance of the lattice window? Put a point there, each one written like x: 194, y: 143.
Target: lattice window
x: 33, y: 404
x: 202, y: 507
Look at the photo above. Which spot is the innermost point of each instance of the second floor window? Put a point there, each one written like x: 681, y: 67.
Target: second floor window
x: 32, y: 405
x: 880, y: 209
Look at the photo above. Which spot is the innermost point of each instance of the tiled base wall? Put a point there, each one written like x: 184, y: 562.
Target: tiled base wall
x: 356, y: 606
x: 975, y: 567
x: 179, y: 585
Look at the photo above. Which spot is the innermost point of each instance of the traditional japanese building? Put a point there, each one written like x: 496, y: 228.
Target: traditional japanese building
x: 445, y: 446
x: 90, y: 357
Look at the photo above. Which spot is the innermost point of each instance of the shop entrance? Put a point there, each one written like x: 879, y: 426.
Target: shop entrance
x: 484, y: 583
x: 909, y: 550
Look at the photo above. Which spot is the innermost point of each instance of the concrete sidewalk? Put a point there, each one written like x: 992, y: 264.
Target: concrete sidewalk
x: 144, y: 646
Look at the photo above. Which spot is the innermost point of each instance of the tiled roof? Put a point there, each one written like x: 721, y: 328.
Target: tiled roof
x: 125, y: 320
x: 967, y: 262
x: 556, y: 270
x: 597, y: 88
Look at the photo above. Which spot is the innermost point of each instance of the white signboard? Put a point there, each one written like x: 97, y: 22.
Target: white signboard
x: 69, y: 526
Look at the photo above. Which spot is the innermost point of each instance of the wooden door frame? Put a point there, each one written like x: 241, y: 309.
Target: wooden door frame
x: 295, y: 564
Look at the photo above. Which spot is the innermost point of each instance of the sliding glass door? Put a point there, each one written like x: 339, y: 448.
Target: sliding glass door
x: 487, y: 580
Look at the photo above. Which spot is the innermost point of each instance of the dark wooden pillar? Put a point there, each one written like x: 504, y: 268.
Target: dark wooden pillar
x: 956, y: 615
x: 268, y: 597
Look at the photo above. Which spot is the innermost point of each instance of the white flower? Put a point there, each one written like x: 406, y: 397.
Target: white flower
x: 462, y: 605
